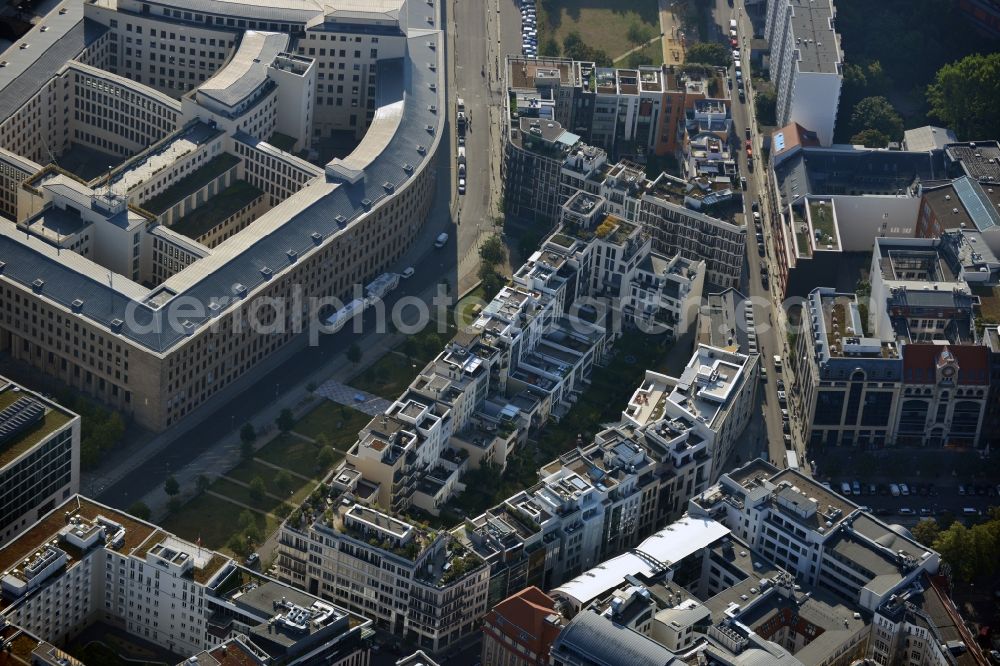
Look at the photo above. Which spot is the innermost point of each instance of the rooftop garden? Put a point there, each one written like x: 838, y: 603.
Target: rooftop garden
x: 49, y: 423
x: 282, y: 142
x: 191, y: 183
x: 821, y: 215
x: 217, y: 209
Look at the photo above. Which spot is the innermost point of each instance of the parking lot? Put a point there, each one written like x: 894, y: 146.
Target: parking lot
x: 909, y: 485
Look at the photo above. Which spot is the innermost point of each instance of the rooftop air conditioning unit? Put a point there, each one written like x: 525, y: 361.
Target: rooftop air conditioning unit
x: 408, y: 168
x: 340, y: 220
x: 266, y: 272
x: 116, y: 325
x: 422, y: 150
x: 293, y: 256
x: 76, y: 306
x: 317, y: 237
x: 239, y: 290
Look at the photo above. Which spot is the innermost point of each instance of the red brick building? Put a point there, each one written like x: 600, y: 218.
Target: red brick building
x: 519, y: 631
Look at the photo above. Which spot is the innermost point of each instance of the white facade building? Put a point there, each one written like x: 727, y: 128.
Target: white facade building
x: 806, y: 64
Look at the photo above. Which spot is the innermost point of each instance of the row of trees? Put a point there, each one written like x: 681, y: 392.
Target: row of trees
x: 971, y: 551
x: 493, y: 255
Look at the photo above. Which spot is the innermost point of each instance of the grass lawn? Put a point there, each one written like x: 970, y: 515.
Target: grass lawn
x: 248, y: 469
x: 651, y: 54
x: 224, y: 204
x: 242, y: 494
x: 292, y: 453
x: 338, y: 423
x: 213, y: 520
x: 603, y: 24
x: 389, y: 376
x: 465, y: 309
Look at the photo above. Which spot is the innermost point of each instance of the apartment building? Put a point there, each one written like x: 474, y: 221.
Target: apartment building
x: 701, y: 219
x: 806, y: 63
x: 418, y: 584
x: 84, y: 562
x: 520, y: 629
x: 39, y: 457
x: 823, y: 539
x: 714, y: 395
x: 242, y: 74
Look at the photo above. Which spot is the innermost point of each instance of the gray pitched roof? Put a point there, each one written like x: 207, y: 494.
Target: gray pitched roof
x: 596, y: 640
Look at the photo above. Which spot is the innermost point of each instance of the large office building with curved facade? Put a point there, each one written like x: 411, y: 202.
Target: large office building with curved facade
x: 137, y: 283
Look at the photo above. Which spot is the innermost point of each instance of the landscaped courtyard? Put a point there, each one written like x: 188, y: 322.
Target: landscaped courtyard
x: 256, y: 495
x: 602, y: 24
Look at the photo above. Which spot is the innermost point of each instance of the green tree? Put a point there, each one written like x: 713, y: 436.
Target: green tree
x: 877, y: 113
x: 285, y: 420
x: 202, y: 483
x: 766, y: 105
x: 964, y: 95
x: 354, y: 353
x: 325, y: 458
x: 926, y: 531
x: 409, y: 347
x: 248, y: 434
x: 870, y: 138
x: 955, y: 545
x: 257, y: 489
x: 140, y: 510
x: 574, y: 47
x: 708, y: 53
x: 639, y: 33
x: 492, y: 282
x: 493, y: 251
x: 549, y: 48
x: 283, y: 481
x: 431, y: 344
x: 238, y: 544
x: 170, y: 486
x: 639, y: 59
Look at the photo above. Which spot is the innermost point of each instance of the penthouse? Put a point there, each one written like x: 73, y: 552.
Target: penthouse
x: 258, y: 81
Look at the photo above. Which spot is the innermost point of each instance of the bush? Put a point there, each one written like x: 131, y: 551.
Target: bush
x: 139, y: 510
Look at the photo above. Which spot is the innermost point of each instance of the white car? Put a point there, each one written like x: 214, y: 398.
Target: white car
x: 904, y: 489
x: 408, y: 272
x: 736, y: 54
x: 461, y: 185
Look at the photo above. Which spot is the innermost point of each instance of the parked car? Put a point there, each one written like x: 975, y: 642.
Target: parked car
x: 856, y: 487
x: 845, y: 488
x: 743, y: 182
x: 746, y: 131
x: 408, y: 272
x: 782, y: 397
x: 905, y: 511
x: 784, y: 413
x: 871, y: 489
x: 760, y: 249
x: 924, y: 511
x: 461, y: 185
x: 781, y: 384
x: 961, y: 489
x: 894, y: 490
x: 441, y: 240
x: 904, y: 489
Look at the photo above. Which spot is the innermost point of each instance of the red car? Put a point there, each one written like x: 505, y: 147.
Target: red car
x: 748, y: 144
x: 735, y: 43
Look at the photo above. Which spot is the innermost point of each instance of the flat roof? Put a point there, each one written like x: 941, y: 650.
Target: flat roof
x: 53, y: 418
x: 815, y: 39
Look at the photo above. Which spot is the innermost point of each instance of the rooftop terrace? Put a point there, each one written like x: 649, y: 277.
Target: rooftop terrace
x: 30, y: 420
